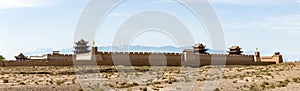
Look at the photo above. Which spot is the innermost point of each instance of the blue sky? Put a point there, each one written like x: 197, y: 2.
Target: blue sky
x: 270, y: 25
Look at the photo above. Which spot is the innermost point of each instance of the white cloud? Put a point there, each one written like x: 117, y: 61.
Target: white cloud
x: 290, y: 24
x: 10, y: 4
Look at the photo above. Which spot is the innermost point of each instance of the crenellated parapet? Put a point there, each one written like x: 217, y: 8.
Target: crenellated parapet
x: 139, y: 53
x: 277, y: 57
x: 188, y: 57
x: 54, y: 56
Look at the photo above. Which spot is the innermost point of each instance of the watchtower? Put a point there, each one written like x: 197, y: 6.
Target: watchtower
x: 236, y: 50
x: 81, y: 47
x: 200, y: 48
x: 21, y: 57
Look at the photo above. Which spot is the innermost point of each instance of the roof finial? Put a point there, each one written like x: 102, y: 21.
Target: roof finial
x: 94, y: 43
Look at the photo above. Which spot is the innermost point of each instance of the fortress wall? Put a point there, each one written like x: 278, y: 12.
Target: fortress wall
x: 60, y: 57
x: 132, y: 62
x: 85, y: 63
x: 205, y: 57
x: 106, y: 56
x: 60, y: 63
x: 105, y: 62
x: 1, y: 63
x: 138, y: 62
x: 239, y: 59
x: 25, y: 63
x: 110, y: 62
x: 250, y: 63
x: 51, y: 63
x: 124, y: 62
x: 218, y: 59
x: 99, y: 57
x: 267, y: 58
x: 172, y: 59
x: 205, y: 62
x: 139, y: 56
x: 38, y: 63
x: 275, y: 58
x: 142, y: 59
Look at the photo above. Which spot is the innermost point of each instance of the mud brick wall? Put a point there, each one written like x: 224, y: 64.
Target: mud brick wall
x: 148, y: 59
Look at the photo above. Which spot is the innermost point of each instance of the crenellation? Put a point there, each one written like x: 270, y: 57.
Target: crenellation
x: 197, y: 54
x: 218, y: 54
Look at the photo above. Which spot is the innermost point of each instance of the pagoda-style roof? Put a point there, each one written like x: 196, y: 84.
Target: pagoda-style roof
x: 81, y: 47
x: 199, y: 45
x: 235, y: 50
x: 200, y: 48
x: 277, y: 53
x: 55, y: 52
x: 81, y: 44
x: 235, y: 47
x: 21, y: 57
x: 82, y: 41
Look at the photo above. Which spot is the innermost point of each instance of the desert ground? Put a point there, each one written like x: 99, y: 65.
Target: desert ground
x: 278, y: 77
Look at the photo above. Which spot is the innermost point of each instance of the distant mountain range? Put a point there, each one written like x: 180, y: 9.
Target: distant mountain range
x: 142, y: 48
x: 41, y: 51
x: 137, y: 48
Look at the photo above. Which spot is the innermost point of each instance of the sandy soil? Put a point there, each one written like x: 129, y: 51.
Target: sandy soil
x: 279, y: 77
